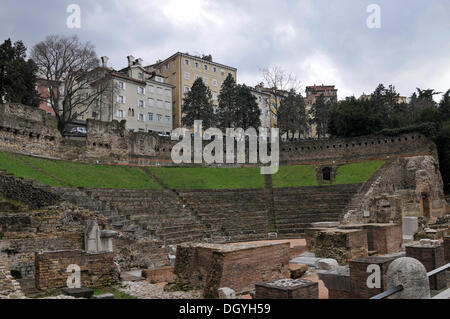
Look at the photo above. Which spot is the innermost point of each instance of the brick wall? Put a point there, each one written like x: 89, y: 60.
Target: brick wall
x: 97, y: 270
x: 359, y: 276
x: 431, y: 258
x: 447, y: 249
x: 238, y: 267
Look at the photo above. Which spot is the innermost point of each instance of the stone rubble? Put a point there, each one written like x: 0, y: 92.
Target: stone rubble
x: 146, y: 290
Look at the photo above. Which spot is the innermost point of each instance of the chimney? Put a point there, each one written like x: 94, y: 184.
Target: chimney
x: 139, y: 61
x: 105, y: 60
x: 130, y: 60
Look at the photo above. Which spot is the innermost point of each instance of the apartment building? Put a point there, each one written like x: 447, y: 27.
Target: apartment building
x: 43, y: 89
x: 313, y: 92
x: 400, y: 99
x: 142, y: 98
x: 182, y: 69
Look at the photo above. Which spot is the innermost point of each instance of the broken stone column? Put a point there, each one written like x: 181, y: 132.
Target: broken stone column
x: 106, y: 243
x: 92, y: 237
x: 412, y: 275
x: 410, y: 226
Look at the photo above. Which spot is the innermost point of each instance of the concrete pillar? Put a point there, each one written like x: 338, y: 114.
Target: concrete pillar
x: 412, y: 275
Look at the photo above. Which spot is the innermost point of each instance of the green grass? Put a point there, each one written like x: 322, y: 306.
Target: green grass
x: 210, y: 178
x: 357, y: 172
x: 295, y: 176
x: 95, y: 176
x: 110, y: 176
x: 14, y: 166
x: 110, y: 290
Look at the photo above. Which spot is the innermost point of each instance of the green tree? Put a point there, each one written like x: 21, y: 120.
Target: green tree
x: 227, y: 102
x: 198, y: 105
x: 17, y: 75
x: 444, y: 107
x: 320, y: 115
x: 247, y: 113
x: 292, y: 116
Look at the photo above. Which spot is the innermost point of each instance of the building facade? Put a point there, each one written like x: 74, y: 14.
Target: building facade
x: 42, y: 87
x: 141, y: 98
x: 182, y: 69
x: 329, y: 92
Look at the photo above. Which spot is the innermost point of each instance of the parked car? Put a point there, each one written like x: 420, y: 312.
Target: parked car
x: 77, y: 130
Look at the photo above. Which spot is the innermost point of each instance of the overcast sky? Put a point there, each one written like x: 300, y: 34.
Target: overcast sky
x: 320, y: 41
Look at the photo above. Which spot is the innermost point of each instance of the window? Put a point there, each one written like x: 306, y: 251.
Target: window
x: 205, y: 67
x: 167, y: 66
x: 168, y: 93
x: 214, y: 82
x: 160, y: 91
x: 151, y: 102
x: 167, y: 105
x: 186, y: 89
x: 141, y: 76
x: 121, y: 99
x: 168, y: 119
x: 196, y: 64
x: 150, y: 116
x: 186, y: 62
x: 141, y: 117
x: 206, y: 80
x: 196, y: 76
x: 141, y: 103
x: 214, y: 96
x: 119, y: 113
x: 222, y: 72
x: 141, y: 90
x: 94, y: 115
x: 121, y: 85
x: 49, y: 103
x: 160, y: 103
x: 152, y: 89
x: 187, y: 75
x: 159, y: 118
x: 214, y: 69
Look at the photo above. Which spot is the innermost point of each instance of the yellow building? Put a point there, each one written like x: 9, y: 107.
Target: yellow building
x: 183, y: 69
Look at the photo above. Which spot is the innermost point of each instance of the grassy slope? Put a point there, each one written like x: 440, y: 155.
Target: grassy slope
x: 95, y: 176
x: 104, y: 176
x: 14, y: 166
x: 357, y: 172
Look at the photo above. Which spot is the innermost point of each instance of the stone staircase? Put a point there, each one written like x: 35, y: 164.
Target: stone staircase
x: 157, y: 213
x: 297, y: 208
x: 231, y: 215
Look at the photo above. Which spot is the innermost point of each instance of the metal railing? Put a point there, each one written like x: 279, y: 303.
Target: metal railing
x: 399, y: 288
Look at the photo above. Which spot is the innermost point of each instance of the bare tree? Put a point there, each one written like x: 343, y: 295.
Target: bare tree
x: 70, y: 68
x: 278, y: 82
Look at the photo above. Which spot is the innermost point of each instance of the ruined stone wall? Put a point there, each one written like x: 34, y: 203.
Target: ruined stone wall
x: 9, y: 288
x: 50, y: 228
x: 97, y: 270
x: 24, y: 191
x: 409, y: 186
x: 28, y: 130
x: 238, y: 267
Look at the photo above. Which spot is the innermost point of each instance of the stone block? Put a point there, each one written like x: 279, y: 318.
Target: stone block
x: 342, y: 244
x: 103, y: 296
x: 447, y: 249
x: 297, y: 270
x: 337, y: 279
x: 287, y: 289
x: 236, y: 266
x: 410, y: 226
x: 82, y: 292
x: 227, y: 293
x: 431, y: 257
x: 368, y: 276
x: 164, y: 274
x: 327, y: 264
